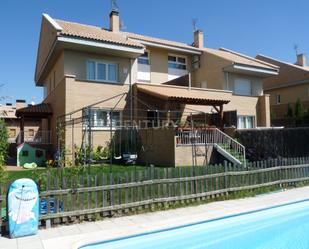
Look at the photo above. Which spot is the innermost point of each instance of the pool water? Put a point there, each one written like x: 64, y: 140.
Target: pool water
x: 282, y: 227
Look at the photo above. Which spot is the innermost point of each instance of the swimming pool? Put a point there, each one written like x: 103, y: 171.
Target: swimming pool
x: 284, y: 227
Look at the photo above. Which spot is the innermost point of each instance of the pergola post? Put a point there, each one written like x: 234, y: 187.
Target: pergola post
x: 22, y: 129
x: 168, y: 113
x: 221, y: 114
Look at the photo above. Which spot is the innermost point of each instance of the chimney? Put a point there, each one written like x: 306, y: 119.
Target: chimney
x: 20, y: 103
x: 198, y: 38
x: 301, y: 60
x: 114, y: 21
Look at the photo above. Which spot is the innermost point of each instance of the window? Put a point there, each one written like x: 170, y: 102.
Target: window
x: 102, y: 71
x: 177, y: 66
x: 177, y: 62
x: 31, y: 133
x: 278, y: 99
x: 143, y: 68
x: 12, y: 133
x: 245, y: 122
x: 242, y: 87
x: 104, y: 118
x: 144, y: 59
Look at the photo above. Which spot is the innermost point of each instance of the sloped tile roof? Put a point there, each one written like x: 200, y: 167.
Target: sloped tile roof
x: 240, y: 58
x: 184, y: 95
x: 159, y: 41
x: 95, y: 33
x: 39, y: 109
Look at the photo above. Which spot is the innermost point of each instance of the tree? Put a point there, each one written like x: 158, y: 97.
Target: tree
x: 3, y: 148
x: 299, y: 112
x: 290, y: 111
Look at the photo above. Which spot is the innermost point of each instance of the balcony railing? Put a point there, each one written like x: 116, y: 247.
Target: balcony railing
x: 34, y: 137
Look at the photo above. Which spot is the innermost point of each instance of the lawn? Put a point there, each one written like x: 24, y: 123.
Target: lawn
x: 38, y: 173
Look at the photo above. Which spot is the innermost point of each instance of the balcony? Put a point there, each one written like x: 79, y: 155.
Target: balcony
x: 34, y: 137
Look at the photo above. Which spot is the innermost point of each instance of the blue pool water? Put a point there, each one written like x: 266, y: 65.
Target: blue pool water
x: 282, y: 227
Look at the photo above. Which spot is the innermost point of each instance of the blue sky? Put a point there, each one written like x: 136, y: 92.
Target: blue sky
x: 269, y: 27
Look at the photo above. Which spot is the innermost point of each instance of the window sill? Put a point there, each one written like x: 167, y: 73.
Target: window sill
x: 101, y: 81
x: 102, y: 128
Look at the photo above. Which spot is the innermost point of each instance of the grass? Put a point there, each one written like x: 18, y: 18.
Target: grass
x: 37, y: 174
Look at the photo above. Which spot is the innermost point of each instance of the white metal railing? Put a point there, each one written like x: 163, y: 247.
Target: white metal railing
x: 211, y: 136
x: 34, y: 137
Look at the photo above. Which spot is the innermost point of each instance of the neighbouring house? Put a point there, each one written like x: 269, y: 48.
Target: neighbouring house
x: 30, y: 132
x: 109, y: 76
x: 290, y: 84
x: 8, y: 113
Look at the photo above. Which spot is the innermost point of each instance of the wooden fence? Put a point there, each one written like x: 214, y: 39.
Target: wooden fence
x: 77, y: 198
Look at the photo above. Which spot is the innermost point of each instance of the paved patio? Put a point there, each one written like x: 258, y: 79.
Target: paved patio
x: 71, y: 237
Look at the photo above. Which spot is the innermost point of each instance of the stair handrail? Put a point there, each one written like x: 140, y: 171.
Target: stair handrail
x: 210, y: 136
x: 241, y: 149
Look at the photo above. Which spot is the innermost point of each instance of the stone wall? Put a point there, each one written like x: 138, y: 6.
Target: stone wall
x: 274, y: 143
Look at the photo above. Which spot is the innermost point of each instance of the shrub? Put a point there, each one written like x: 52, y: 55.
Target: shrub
x: 3, y: 148
x: 299, y: 112
x: 290, y: 111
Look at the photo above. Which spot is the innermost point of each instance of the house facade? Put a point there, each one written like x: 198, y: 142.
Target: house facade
x: 290, y: 84
x: 138, y: 77
x: 8, y: 113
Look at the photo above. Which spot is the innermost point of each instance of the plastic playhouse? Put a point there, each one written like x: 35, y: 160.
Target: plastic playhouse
x: 29, y: 156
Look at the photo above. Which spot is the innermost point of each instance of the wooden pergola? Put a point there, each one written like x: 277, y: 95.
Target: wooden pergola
x: 184, y: 96
x: 39, y: 111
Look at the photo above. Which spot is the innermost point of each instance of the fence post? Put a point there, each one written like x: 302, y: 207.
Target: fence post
x: 226, y: 178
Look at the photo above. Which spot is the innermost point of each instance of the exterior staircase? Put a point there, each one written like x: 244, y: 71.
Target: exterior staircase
x: 224, y: 144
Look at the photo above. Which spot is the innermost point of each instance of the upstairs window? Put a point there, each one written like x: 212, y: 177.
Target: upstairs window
x: 102, y: 71
x: 144, y: 59
x: 242, y: 87
x: 177, y: 62
x: 278, y: 99
x: 143, y: 68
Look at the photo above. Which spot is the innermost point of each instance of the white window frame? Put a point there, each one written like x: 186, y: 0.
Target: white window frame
x: 108, y: 119
x: 174, y: 72
x: 146, y: 58
x: 177, y: 62
x: 245, y: 123
x: 97, y: 62
x: 143, y: 70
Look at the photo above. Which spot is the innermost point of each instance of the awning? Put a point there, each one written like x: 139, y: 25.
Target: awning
x: 184, y: 95
x: 40, y: 111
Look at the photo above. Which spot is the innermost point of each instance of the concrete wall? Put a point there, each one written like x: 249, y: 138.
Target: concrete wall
x: 159, y: 147
x: 183, y: 155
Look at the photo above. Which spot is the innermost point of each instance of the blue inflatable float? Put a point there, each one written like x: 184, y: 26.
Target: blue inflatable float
x: 23, y: 208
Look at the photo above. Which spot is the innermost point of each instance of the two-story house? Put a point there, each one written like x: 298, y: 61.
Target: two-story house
x: 290, y: 84
x: 126, y: 76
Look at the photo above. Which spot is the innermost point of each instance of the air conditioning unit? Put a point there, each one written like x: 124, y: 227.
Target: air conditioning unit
x: 196, y: 62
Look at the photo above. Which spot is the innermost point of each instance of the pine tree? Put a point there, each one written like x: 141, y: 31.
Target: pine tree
x: 299, y: 112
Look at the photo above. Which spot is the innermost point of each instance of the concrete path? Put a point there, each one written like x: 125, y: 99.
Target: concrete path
x: 74, y: 236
